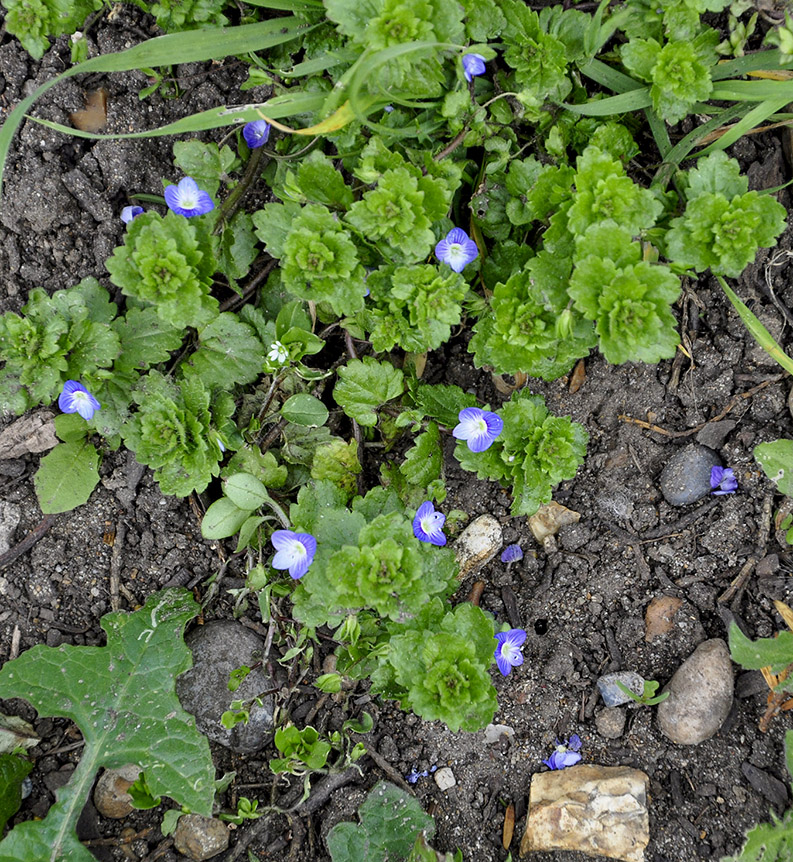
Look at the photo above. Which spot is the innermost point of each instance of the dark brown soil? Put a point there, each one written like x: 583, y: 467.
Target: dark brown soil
x: 583, y: 605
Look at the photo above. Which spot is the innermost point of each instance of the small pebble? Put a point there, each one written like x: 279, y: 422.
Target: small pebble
x: 110, y: 794
x: 610, y: 722
x: 478, y: 544
x: 686, y: 476
x: 612, y: 694
x: 200, y: 838
x: 494, y: 732
x: 444, y: 778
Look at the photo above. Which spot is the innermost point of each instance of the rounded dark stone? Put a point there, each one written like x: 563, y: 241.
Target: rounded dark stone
x: 686, y: 477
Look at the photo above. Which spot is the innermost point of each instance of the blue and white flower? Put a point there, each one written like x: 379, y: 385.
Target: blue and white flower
x: 75, y: 398
x: 130, y: 213
x: 187, y: 200
x: 565, y: 754
x: 457, y: 249
x: 428, y: 524
x: 256, y: 134
x: 473, y: 65
x: 479, y: 428
x: 508, y: 654
x: 294, y: 551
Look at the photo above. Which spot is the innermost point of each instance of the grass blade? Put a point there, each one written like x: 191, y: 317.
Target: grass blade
x: 756, y: 329
x: 188, y: 47
x: 634, y: 100
x: 759, y: 114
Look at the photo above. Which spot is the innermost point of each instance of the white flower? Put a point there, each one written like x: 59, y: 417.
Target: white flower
x: 278, y: 353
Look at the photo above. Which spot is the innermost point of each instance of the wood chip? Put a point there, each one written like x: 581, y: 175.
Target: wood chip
x: 578, y: 377
x: 509, y: 826
x: 93, y: 118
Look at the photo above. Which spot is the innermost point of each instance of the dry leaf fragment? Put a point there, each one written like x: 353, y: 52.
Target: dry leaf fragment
x: 15, y: 733
x: 93, y: 118
x: 578, y: 377
x: 509, y: 826
x: 34, y: 432
x: 659, y: 616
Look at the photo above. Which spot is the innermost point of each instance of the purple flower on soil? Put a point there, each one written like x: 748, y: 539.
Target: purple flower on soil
x: 428, y: 524
x: 473, y: 65
x: 295, y: 551
x: 129, y: 213
x: 508, y: 654
x: 457, y: 249
x: 565, y: 754
x: 187, y: 200
x: 511, y: 554
x: 75, y: 398
x: 479, y: 428
x: 413, y: 776
x: 722, y: 480
x: 256, y: 133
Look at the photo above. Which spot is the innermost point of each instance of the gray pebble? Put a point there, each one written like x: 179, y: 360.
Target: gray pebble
x: 610, y: 722
x: 199, y: 837
x: 218, y: 648
x: 612, y: 694
x: 686, y: 476
x: 700, y: 695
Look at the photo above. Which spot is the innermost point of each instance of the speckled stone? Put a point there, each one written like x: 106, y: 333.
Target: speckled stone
x: 200, y: 838
x: 700, y: 695
x: 610, y: 722
x: 686, y: 476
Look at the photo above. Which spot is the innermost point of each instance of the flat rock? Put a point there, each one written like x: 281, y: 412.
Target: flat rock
x: 444, y: 778
x: 686, y: 476
x: 200, y: 838
x: 597, y: 810
x: 700, y: 695
x: 218, y: 648
x: 478, y: 544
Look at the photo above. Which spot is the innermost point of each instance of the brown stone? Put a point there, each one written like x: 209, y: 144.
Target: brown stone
x: 659, y: 618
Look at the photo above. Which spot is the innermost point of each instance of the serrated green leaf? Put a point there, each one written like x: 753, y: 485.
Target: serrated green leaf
x: 222, y: 519
x: 317, y: 181
x: 330, y: 682
x: 229, y: 353
x: 246, y: 491
x: 337, y: 462
x: 423, y: 461
x: 206, y: 163
x: 67, y: 476
x: 390, y: 820
x: 121, y: 697
x: 145, y: 340
x: 776, y: 459
x: 13, y: 770
x: 776, y: 652
x: 237, y: 247
x: 365, y: 385
x: 71, y: 427
x: 304, y: 409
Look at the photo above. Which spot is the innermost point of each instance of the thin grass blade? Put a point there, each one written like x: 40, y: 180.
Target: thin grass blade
x: 759, y: 114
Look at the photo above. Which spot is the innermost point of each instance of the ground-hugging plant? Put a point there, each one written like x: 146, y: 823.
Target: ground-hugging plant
x: 461, y: 173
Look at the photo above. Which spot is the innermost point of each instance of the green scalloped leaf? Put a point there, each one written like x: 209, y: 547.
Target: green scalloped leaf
x: 122, y: 698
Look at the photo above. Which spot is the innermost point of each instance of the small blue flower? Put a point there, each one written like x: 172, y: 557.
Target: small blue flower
x: 187, y: 200
x: 565, y: 754
x: 458, y: 250
x: 478, y: 427
x: 473, y: 65
x: 413, y: 776
x: 511, y: 554
x: 129, y: 213
x: 256, y: 133
x: 295, y: 551
x: 428, y: 524
x: 508, y: 654
x: 75, y: 398
x: 722, y: 480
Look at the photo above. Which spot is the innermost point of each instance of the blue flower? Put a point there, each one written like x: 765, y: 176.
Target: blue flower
x: 511, y: 554
x: 256, y: 133
x: 473, y: 65
x: 295, y: 551
x: 722, y: 480
x: 428, y: 524
x: 187, y: 200
x: 458, y: 250
x: 413, y: 776
x: 508, y: 654
x: 75, y: 398
x: 565, y: 755
x: 478, y: 427
x: 129, y: 213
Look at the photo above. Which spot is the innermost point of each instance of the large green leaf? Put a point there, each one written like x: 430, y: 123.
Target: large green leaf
x: 229, y: 352
x: 13, y: 770
x: 67, y: 476
x: 122, y: 698
x: 776, y: 459
x: 776, y: 653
